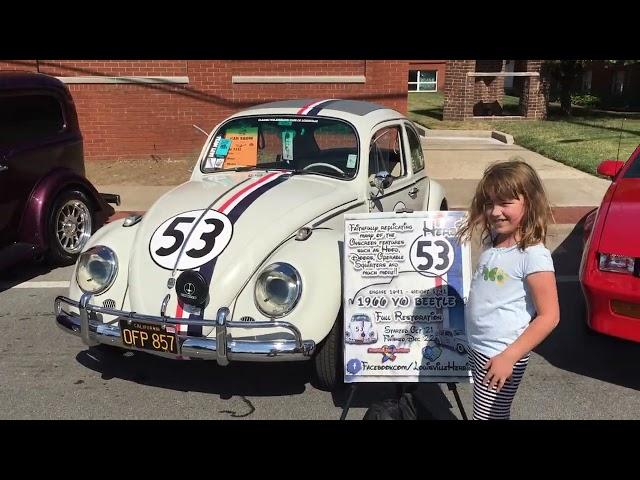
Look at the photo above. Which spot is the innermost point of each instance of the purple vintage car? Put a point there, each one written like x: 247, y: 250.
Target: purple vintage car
x: 47, y: 206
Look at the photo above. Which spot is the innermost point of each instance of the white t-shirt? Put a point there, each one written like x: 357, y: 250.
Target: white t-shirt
x: 500, y: 304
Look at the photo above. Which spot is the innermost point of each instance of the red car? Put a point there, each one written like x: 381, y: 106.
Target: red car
x: 610, y: 267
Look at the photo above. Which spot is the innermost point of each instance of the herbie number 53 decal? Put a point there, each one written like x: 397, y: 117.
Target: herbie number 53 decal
x: 431, y: 256
x: 194, y: 238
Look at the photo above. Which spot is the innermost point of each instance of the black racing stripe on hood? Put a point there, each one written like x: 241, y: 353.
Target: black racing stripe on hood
x: 207, y: 269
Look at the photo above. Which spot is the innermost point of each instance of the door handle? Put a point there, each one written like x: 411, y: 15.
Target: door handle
x: 3, y: 168
x: 413, y: 193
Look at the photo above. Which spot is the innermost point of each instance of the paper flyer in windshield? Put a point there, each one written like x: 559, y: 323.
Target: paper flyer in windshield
x: 406, y: 281
x: 243, y: 150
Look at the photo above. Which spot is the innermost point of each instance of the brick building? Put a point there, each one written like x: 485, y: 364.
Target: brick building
x: 135, y: 109
x: 615, y: 84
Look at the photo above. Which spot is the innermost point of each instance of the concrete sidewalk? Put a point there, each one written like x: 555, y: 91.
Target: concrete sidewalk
x: 458, y: 164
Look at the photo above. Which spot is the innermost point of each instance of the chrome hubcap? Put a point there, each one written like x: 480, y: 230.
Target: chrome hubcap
x: 73, y: 226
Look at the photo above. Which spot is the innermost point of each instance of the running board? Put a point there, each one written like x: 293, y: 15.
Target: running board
x: 16, y: 253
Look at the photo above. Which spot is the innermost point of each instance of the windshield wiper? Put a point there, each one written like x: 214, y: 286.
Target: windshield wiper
x: 239, y: 168
x: 300, y: 171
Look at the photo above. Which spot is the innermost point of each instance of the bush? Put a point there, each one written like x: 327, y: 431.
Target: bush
x: 585, y: 100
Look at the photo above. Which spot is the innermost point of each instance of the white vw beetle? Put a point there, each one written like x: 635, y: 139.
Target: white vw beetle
x: 243, y: 261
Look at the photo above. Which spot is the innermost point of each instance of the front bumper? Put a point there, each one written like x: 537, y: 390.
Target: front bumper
x: 223, y: 348
x: 600, y: 290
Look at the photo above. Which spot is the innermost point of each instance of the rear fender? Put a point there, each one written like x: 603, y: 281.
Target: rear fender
x: 33, y: 224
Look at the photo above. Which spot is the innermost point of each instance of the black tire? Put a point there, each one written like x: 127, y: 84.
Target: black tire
x: 327, y: 361
x: 581, y: 313
x: 444, y: 206
x: 77, y: 208
x: 460, y: 349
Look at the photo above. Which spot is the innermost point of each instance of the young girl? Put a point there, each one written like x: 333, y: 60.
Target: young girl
x: 513, y: 301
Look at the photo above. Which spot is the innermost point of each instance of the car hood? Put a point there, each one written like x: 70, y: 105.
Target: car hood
x: 621, y: 232
x: 262, y: 209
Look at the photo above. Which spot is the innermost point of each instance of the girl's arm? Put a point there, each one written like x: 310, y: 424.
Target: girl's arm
x: 545, y: 297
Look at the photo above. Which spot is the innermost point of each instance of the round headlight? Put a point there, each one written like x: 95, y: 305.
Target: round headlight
x: 278, y: 289
x: 97, y: 269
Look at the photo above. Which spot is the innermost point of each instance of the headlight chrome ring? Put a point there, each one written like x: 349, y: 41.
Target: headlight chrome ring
x: 97, y: 269
x: 277, y: 290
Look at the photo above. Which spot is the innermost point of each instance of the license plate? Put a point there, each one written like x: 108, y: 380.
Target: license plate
x: 148, y: 336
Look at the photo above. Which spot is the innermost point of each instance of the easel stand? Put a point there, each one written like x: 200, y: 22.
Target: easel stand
x: 401, y: 389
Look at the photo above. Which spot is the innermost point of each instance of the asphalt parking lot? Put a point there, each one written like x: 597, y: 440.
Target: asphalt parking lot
x: 47, y: 374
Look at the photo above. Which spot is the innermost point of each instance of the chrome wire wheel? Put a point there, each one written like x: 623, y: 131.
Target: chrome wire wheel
x: 73, y: 226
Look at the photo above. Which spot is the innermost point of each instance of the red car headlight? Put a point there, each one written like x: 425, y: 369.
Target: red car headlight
x: 610, y: 262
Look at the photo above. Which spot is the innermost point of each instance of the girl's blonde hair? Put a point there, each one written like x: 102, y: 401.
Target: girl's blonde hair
x: 506, y: 181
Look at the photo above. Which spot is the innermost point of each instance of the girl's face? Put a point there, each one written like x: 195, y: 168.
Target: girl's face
x: 505, y: 216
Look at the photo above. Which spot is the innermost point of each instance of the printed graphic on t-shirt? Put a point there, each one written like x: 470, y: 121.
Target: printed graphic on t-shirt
x: 495, y: 274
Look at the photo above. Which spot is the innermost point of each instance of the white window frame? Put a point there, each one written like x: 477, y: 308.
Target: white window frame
x: 417, y: 82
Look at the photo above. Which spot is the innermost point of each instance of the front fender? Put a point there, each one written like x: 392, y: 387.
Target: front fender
x: 35, y: 216
x: 435, y: 198
x: 119, y: 239
x: 318, y: 261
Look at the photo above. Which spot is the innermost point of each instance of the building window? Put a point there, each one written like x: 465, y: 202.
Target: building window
x: 586, y: 81
x: 423, y: 81
x: 617, y: 83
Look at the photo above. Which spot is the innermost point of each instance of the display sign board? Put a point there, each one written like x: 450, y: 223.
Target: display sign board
x: 406, y: 282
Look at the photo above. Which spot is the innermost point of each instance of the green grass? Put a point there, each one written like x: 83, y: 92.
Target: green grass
x: 581, y: 141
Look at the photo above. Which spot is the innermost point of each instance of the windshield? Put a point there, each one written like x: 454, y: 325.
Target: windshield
x: 634, y: 168
x: 323, y: 146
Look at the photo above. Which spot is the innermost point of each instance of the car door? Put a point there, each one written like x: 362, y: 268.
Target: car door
x: 417, y: 166
x: 388, y: 157
x: 29, y: 148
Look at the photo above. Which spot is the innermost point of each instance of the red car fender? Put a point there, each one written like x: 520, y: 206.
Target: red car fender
x: 593, y: 240
x: 593, y: 229
x: 33, y: 224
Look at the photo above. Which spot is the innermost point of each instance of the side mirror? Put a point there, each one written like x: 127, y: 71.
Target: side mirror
x: 610, y: 168
x: 381, y: 180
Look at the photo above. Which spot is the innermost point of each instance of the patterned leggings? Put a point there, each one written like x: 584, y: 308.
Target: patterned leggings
x: 491, y: 404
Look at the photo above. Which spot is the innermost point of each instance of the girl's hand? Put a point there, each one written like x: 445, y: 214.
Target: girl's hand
x: 499, y: 371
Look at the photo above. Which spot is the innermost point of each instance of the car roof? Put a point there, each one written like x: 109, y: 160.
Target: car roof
x: 28, y: 80
x: 355, y: 111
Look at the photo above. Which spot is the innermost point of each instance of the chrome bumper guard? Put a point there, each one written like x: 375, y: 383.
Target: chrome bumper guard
x: 223, y: 348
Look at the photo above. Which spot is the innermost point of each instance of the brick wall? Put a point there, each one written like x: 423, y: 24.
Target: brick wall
x: 533, y: 103
x: 129, y: 121
x: 458, y: 90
